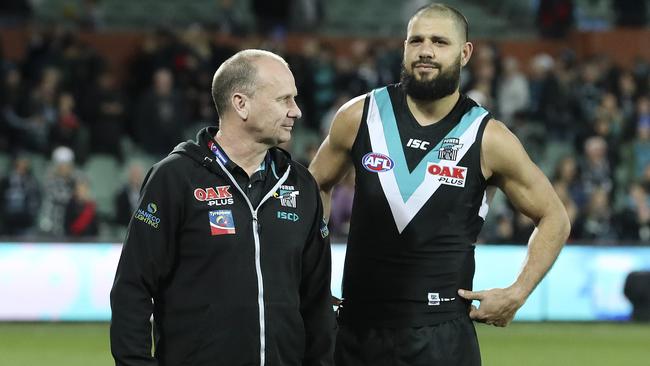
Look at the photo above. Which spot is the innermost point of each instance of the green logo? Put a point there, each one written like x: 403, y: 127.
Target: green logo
x: 152, y: 208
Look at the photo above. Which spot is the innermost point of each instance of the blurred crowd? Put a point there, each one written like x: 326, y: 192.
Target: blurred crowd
x: 67, y: 115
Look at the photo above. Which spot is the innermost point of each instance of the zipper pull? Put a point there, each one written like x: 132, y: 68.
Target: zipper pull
x: 255, y: 222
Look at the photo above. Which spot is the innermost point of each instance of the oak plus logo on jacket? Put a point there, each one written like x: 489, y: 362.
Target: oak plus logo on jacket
x: 221, y: 222
x: 216, y: 196
x: 147, y: 216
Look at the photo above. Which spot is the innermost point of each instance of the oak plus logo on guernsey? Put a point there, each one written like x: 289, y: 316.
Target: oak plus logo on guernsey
x: 449, y: 175
x: 377, y: 162
x: 216, y: 196
x: 147, y: 216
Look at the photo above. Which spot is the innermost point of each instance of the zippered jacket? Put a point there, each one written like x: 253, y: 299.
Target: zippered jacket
x: 227, y: 283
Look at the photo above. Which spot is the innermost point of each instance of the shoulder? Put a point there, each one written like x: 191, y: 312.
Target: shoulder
x: 501, y: 150
x: 303, y: 176
x: 172, y: 167
x: 353, y: 109
x: 346, y: 122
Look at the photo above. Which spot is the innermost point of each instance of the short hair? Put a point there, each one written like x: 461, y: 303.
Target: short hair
x: 237, y: 74
x: 458, y: 17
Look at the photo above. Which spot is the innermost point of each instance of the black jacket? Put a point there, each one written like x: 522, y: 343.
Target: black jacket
x: 224, y: 293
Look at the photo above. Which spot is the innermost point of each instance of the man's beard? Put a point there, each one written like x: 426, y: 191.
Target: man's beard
x: 436, y: 88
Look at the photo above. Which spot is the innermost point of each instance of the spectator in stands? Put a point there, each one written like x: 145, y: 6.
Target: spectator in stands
x: 645, y: 179
x: 126, y: 200
x: 160, y: 116
x: 81, y: 212
x: 539, y: 72
x: 326, y: 121
x: 91, y: 15
x: 597, y: 222
x: 596, y: 170
x: 106, y: 116
x: 504, y: 229
x: 555, y: 18
x: 626, y: 94
x: 567, y: 178
x: 630, y: 13
x: 33, y: 130
x: 229, y: 20
x: 512, y: 93
x: 634, y: 221
x: 57, y: 193
x: 609, y: 112
x: 641, y: 145
x: 556, y: 107
x: 15, y: 12
x: 588, y: 92
x: 271, y: 17
x: 68, y: 128
x: 13, y: 95
x: 522, y: 228
x: 20, y: 197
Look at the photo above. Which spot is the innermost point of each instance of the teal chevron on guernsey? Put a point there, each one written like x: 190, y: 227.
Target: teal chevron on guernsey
x: 409, y: 181
x: 406, y: 192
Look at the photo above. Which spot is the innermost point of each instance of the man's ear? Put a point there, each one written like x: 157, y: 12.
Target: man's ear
x: 241, y: 105
x: 466, y: 53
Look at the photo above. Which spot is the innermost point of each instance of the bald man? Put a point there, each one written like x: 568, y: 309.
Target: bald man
x: 228, y: 248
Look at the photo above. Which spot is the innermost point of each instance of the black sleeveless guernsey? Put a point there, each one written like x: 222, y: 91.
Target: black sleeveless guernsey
x: 419, y: 205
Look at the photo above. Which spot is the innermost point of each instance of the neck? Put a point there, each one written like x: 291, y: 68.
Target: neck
x: 430, y: 112
x: 241, y: 149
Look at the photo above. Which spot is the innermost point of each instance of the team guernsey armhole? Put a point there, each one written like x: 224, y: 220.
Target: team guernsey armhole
x: 362, y: 124
x: 479, y: 139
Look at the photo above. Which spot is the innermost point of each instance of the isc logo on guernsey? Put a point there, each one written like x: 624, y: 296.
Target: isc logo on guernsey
x: 449, y: 175
x: 376, y: 162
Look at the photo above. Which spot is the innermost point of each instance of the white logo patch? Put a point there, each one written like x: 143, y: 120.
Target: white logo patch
x: 435, y: 299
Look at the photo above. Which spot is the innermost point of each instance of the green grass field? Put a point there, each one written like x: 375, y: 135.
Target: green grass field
x: 527, y: 344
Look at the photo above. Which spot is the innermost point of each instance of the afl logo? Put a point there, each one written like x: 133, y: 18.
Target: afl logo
x: 376, y: 162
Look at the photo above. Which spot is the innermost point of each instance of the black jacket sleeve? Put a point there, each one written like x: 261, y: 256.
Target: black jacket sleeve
x: 316, y: 296
x: 147, y: 257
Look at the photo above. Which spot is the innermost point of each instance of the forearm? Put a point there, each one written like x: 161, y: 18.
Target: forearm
x: 544, y: 246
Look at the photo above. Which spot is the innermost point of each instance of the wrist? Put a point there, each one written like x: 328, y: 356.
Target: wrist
x: 519, y: 293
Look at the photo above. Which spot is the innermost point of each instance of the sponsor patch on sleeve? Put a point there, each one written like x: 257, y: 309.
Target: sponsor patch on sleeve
x: 148, y: 216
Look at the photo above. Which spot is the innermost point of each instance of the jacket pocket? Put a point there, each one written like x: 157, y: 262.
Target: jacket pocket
x: 285, y: 336
x: 180, y: 332
x: 229, y: 335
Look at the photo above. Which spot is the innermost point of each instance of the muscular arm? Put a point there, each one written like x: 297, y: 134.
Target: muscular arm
x: 332, y: 161
x: 506, y: 163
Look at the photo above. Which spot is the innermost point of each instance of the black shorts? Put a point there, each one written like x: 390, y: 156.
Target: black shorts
x: 452, y: 343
